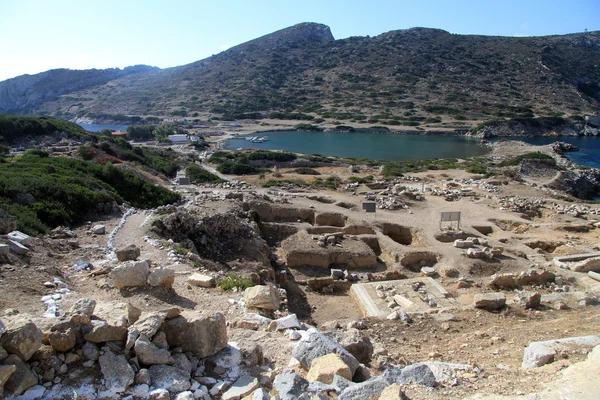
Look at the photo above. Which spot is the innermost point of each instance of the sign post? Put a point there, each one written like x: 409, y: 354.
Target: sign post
x: 450, y: 216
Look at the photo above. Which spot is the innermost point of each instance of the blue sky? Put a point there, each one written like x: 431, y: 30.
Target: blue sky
x: 37, y: 35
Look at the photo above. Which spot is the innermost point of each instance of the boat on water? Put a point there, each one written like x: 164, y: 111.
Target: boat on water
x: 259, y: 139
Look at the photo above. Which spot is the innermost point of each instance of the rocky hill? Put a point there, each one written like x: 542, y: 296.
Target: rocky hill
x: 407, y: 77
x: 26, y: 93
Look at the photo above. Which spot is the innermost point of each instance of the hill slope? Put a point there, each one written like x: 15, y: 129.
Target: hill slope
x: 26, y: 93
x: 404, y: 77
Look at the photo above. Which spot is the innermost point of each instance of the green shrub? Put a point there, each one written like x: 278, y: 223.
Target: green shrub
x: 64, y: 190
x: 527, y: 156
x: 197, y: 174
x: 306, y: 171
x: 234, y: 281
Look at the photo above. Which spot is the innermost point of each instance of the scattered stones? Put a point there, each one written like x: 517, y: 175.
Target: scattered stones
x: 489, y: 301
x: 129, y: 253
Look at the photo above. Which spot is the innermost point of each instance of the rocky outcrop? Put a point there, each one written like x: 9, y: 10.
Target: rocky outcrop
x: 583, y: 184
x: 543, y: 126
x: 202, y: 335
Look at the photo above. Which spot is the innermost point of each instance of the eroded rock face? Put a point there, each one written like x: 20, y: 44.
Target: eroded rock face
x: 219, y: 237
x: 201, y: 334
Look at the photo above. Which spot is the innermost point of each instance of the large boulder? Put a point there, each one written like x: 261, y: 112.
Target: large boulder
x: 62, y: 341
x: 489, y: 301
x: 358, y: 344
x: 21, y: 379
x: 527, y: 299
x: 5, y: 372
x: 83, y: 309
x: 201, y: 280
x: 243, y: 386
x: 149, y: 354
x: 290, y: 386
x: 132, y: 273
x: 149, y: 323
x: 103, y: 332
x: 324, y: 368
x: 117, y: 372
x: 22, y: 337
x: 369, y: 389
x: 161, y: 276
x: 314, y: 345
x: 262, y: 297
x: 201, y: 334
x: 170, y: 378
x: 129, y: 253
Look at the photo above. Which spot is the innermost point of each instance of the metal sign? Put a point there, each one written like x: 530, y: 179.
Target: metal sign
x: 369, y: 207
x: 450, y: 216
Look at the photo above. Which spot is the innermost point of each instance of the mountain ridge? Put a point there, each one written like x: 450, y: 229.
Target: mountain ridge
x: 403, y: 77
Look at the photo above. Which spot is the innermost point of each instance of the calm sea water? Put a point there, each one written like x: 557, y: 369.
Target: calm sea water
x: 588, y: 155
x: 366, y: 145
x: 99, y: 127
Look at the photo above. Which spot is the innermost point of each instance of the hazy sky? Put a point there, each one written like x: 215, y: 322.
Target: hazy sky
x: 37, y: 35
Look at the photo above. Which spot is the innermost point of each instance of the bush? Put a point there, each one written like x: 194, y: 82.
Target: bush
x: 306, y: 171
x: 197, y: 174
x: 527, y: 156
x: 64, y: 190
x: 234, y: 281
x: 238, y: 169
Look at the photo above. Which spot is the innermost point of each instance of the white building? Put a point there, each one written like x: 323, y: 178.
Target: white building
x: 178, y: 138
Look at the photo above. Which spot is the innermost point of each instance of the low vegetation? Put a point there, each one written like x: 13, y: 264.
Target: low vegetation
x: 13, y: 127
x: 527, y: 156
x: 197, y: 174
x: 399, y: 168
x: 306, y: 171
x: 42, y: 192
x: 232, y: 281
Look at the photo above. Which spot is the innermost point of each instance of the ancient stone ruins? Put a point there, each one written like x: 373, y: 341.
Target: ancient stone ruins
x: 243, y: 292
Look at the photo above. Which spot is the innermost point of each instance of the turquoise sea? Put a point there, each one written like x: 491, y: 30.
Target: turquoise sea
x: 588, y: 155
x: 99, y: 127
x: 366, y: 145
